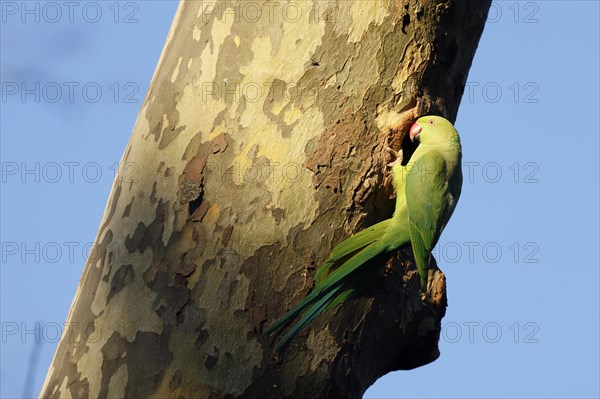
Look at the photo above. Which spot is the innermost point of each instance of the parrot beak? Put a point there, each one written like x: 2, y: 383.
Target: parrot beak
x: 415, y: 132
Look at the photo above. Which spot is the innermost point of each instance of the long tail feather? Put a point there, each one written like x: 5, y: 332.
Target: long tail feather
x: 323, y: 294
x: 353, y: 285
x: 295, y: 311
x: 360, y: 239
x: 313, y: 312
x: 350, y: 246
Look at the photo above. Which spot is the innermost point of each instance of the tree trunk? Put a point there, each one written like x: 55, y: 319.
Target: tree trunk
x: 258, y: 148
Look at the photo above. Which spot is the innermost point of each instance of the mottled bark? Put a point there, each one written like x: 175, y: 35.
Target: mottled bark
x: 258, y: 148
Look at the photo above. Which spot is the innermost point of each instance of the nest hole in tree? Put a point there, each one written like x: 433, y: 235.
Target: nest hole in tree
x: 408, y: 148
x: 195, y: 203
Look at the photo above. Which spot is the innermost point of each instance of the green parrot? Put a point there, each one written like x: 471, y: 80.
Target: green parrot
x: 427, y: 190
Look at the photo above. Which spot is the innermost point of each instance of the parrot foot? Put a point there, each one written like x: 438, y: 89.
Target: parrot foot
x: 397, y: 155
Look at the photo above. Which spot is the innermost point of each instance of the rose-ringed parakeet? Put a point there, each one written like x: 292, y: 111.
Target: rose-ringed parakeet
x: 427, y: 190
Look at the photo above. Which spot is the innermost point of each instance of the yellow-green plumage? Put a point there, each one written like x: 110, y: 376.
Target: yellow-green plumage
x: 427, y: 190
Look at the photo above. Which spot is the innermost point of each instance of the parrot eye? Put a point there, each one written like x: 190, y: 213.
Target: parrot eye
x: 431, y: 122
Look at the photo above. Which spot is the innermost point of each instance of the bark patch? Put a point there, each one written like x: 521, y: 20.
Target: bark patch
x: 146, y: 357
x: 122, y: 277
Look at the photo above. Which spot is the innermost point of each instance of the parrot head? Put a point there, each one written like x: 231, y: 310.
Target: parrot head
x: 432, y: 130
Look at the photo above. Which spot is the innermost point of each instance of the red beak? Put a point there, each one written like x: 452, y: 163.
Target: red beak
x: 415, y: 130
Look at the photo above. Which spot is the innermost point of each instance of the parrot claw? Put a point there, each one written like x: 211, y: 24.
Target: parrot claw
x: 397, y: 155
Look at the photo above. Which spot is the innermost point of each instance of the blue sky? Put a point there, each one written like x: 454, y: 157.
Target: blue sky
x: 520, y: 254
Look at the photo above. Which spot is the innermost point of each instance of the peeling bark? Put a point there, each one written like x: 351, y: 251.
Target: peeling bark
x: 259, y: 147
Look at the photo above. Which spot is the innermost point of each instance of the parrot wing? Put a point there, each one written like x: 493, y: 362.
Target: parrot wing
x: 427, y: 205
